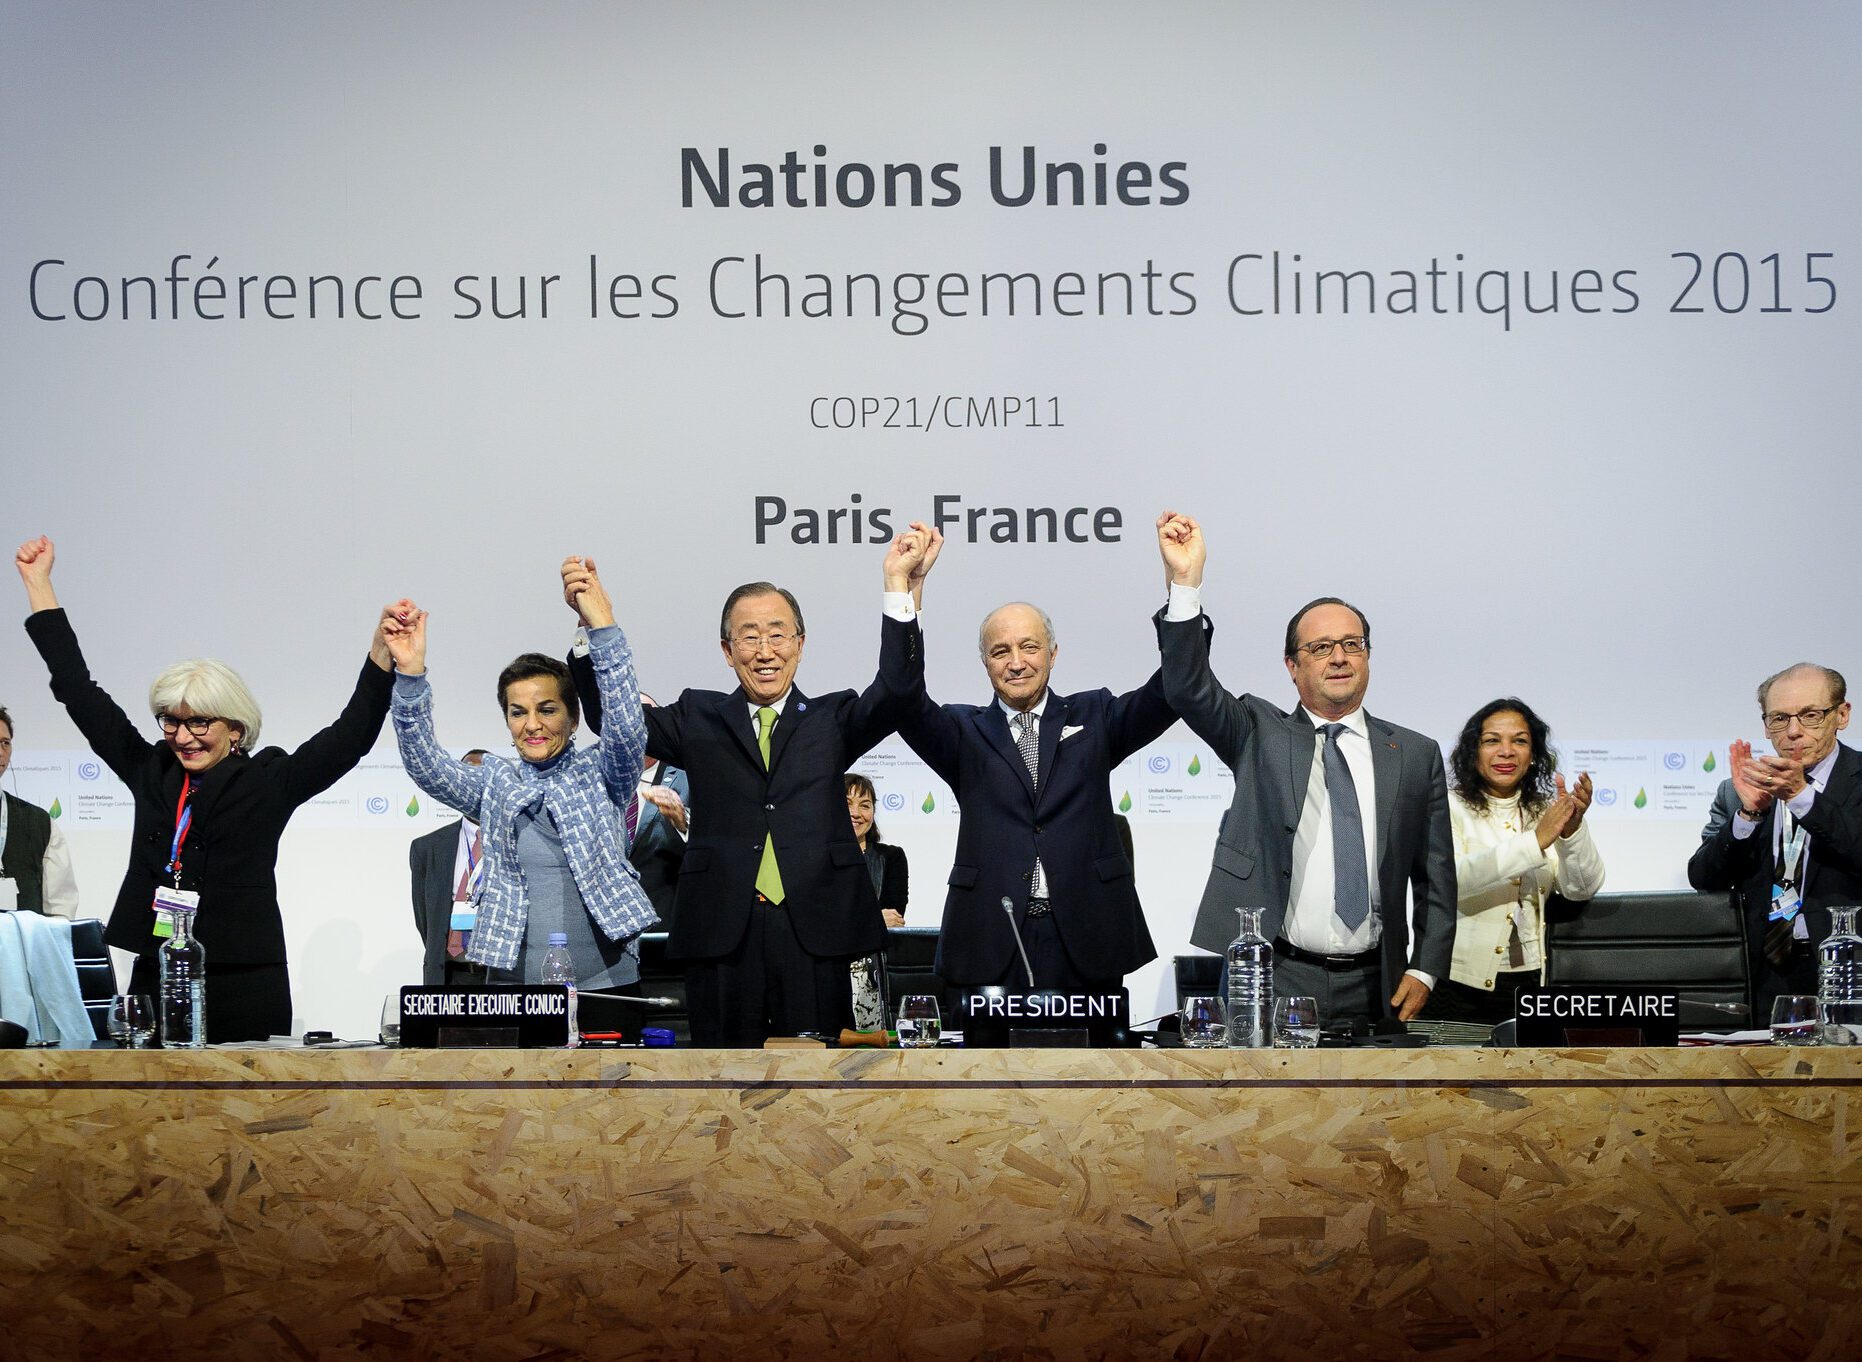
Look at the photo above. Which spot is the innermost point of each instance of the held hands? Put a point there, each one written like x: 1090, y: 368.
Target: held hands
x: 1749, y: 778
x: 913, y: 552
x: 582, y: 589
x: 1180, y: 541
x: 403, y: 633
x: 34, y: 561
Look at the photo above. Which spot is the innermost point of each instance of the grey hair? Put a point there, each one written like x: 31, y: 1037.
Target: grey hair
x: 982, y: 630
x: 207, y: 686
x: 1839, y: 689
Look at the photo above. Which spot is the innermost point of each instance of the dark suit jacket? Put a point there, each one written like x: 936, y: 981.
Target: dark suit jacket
x: 1069, y: 822
x: 241, y: 806
x: 800, y: 801
x: 658, y: 850
x: 1271, y: 754
x: 431, y: 858
x: 1832, y: 874
x: 890, y: 873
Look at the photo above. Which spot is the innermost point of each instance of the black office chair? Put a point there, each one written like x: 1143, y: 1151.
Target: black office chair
x: 1692, y: 943
x: 96, y: 976
x: 1198, y: 976
x: 662, y: 979
x: 911, y: 964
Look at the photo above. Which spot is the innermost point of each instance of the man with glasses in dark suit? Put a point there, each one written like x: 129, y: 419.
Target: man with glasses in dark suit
x: 1786, y: 830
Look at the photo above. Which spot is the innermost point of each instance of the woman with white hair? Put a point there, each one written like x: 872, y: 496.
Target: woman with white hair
x: 210, y: 804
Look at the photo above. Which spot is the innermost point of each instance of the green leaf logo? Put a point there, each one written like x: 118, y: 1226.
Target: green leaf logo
x: 929, y: 804
x: 1196, y: 765
x: 413, y: 806
x: 56, y: 809
x: 1124, y: 805
x: 1709, y: 763
x: 1642, y: 799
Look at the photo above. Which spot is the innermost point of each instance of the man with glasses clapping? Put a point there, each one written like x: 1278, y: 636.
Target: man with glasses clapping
x: 1786, y: 830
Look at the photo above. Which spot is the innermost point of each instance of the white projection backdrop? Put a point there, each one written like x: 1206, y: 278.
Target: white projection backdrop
x: 1558, y: 381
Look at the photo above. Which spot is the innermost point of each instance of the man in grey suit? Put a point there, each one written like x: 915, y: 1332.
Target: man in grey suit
x: 442, y: 862
x: 1338, y: 817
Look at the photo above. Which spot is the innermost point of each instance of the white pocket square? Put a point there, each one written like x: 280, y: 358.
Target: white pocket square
x: 1069, y: 730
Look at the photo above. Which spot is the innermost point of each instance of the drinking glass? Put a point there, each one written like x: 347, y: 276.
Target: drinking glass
x: 919, y: 1024
x: 1296, y: 1023
x: 132, y: 1020
x: 1794, y: 1020
x: 119, y: 1020
x: 1204, y: 1023
x: 390, y: 1032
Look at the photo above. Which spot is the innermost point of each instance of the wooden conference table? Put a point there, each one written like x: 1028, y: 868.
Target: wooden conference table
x: 1441, y: 1203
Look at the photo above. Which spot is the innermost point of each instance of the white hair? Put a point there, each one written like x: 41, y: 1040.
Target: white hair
x: 982, y: 630
x: 207, y: 686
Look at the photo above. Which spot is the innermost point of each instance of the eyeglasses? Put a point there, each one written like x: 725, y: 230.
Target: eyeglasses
x: 196, y: 724
x: 1322, y: 647
x: 1809, y: 718
x: 755, y: 643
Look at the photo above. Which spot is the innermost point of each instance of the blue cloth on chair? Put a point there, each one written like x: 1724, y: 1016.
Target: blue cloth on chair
x: 39, y: 981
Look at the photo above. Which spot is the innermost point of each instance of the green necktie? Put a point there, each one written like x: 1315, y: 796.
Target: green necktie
x: 768, y: 878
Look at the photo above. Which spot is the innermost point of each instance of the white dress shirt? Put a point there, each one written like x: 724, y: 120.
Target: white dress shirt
x: 1312, y: 921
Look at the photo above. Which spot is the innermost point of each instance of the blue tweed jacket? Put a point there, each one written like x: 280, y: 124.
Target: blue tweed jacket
x: 584, y: 791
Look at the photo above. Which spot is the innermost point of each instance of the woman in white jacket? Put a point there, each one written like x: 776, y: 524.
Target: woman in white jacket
x: 1519, y: 835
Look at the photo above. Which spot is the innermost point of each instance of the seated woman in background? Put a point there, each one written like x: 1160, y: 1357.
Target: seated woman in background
x: 1519, y: 835
x: 210, y: 805
x: 34, y: 861
x: 886, y: 864
x: 553, y: 821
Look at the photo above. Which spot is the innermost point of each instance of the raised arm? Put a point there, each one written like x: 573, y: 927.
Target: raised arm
x: 100, y: 719
x: 1191, y: 687
x: 455, y: 784
x: 622, y: 749
x: 328, y: 755
x: 899, y: 686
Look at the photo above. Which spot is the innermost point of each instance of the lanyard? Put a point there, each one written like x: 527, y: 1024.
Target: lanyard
x: 184, y: 819
x: 1789, y: 847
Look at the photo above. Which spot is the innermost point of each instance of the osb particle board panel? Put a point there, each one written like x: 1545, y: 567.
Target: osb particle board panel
x: 1439, y: 1204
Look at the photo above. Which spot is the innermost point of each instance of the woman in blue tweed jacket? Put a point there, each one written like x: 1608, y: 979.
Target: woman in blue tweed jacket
x: 554, y: 838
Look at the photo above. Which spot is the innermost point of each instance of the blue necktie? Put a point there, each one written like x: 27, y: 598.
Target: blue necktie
x: 1351, y: 886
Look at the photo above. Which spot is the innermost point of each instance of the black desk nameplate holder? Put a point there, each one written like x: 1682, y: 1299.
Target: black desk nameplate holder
x: 484, y: 1016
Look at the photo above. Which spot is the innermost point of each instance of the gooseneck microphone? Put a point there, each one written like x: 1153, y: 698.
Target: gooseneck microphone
x: 1008, y: 907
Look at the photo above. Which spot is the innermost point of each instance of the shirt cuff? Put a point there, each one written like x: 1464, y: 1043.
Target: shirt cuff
x: 898, y: 605
x: 1423, y: 976
x: 1799, y: 803
x: 1186, y: 602
x: 579, y: 647
x: 1743, y: 827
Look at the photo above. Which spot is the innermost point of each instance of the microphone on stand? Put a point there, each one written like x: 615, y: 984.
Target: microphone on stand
x: 628, y: 998
x: 1008, y: 907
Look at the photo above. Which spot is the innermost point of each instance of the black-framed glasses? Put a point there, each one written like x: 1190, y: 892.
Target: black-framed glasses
x: 1809, y: 718
x: 1322, y: 647
x: 196, y: 724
